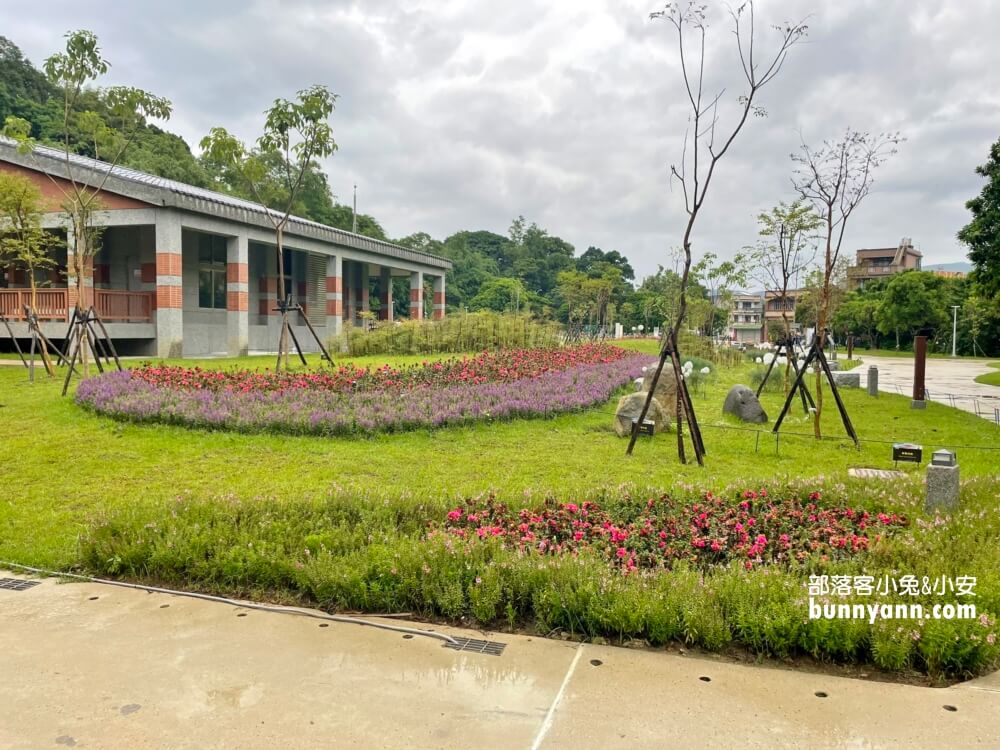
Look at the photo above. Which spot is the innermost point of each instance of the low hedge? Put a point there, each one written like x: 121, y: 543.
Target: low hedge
x: 376, y: 554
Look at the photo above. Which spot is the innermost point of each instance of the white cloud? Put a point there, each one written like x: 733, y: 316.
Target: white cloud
x: 461, y: 115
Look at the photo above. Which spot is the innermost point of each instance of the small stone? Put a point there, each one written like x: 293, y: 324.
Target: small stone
x: 742, y: 403
x: 849, y: 379
x: 630, y: 407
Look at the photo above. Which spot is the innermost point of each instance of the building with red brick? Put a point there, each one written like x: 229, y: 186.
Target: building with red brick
x: 185, y: 271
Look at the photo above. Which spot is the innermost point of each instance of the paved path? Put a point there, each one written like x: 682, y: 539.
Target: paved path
x: 948, y: 381
x: 95, y: 666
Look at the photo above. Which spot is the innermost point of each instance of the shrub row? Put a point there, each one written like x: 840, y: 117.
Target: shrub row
x: 459, y: 332
x: 380, y: 555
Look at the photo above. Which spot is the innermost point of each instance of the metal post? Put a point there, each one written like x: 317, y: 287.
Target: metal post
x: 954, y: 328
x: 919, y: 369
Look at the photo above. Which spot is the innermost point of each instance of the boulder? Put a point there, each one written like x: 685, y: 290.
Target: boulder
x: 666, y: 389
x: 742, y: 403
x: 630, y: 407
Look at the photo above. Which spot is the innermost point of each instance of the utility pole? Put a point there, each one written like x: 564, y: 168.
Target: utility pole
x: 354, y: 213
x: 954, y: 328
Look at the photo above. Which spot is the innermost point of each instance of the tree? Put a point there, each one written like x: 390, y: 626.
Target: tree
x: 857, y: 315
x: 703, y: 151
x: 22, y: 239
x: 786, y: 250
x: 982, y: 233
x: 719, y: 278
x: 834, y: 179
x: 594, y: 257
x: 982, y: 316
x: 501, y: 295
x: 295, y: 133
x: 910, y: 303
x: 71, y: 72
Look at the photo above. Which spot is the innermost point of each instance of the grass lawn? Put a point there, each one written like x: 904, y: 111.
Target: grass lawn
x: 63, y: 465
x: 991, y: 378
x: 347, y: 523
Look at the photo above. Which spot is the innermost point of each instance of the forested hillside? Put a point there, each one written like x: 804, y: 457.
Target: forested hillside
x: 527, y: 269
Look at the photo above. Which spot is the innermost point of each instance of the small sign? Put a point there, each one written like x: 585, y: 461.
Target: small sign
x: 646, y: 428
x: 907, y: 452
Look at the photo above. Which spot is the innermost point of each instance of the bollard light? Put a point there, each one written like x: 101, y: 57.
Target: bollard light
x: 943, y: 457
x: 943, y: 486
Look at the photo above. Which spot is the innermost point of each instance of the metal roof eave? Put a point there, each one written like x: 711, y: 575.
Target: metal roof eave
x: 202, y: 201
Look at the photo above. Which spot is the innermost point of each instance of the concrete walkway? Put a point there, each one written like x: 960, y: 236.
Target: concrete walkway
x: 94, y: 666
x: 949, y: 381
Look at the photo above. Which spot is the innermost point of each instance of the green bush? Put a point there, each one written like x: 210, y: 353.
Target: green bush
x: 775, y: 381
x: 459, y: 332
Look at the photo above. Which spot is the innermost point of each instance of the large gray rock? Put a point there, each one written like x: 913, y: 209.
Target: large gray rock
x: 741, y: 402
x: 849, y: 379
x: 630, y: 407
x: 666, y: 389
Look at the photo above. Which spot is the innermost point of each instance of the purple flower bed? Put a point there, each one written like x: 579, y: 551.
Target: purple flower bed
x: 318, y: 412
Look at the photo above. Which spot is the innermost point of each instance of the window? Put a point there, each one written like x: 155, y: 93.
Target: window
x: 289, y: 277
x: 212, y: 271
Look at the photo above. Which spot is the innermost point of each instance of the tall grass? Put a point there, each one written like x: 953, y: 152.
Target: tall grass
x: 459, y: 332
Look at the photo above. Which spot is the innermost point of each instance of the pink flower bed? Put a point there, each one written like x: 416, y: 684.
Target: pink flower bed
x: 489, y: 367
x: 753, y: 529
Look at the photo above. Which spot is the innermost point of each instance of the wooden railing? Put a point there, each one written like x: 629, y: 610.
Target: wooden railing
x: 50, y: 304
x: 115, y: 306
x: 112, y: 305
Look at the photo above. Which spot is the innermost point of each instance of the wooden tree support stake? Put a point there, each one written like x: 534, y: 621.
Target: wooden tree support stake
x: 685, y: 408
x: 17, y: 347
x: 788, y: 347
x: 82, y: 328
x: 285, y: 306
x: 816, y: 353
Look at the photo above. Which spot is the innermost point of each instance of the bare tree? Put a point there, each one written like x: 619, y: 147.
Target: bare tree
x: 73, y: 72
x: 787, y: 250
x: 706, y: 143
x: 834, y: 179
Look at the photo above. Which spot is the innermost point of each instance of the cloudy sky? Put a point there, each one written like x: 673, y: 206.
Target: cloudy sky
x: 462, y: 114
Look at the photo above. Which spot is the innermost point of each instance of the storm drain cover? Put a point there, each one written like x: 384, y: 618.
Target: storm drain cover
x: 477, y: 647
x: 17, y: 584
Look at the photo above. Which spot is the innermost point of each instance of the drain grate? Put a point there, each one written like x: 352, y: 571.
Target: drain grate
x: 17, y: 584
x: 477, y: 647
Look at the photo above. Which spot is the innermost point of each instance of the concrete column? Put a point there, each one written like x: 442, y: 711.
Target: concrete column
x: 238, y: 295
x: 348, y: 292
x: 169, y: 297
x: 385, y: 294
x: 334, y: 294
x: 417, y: 295
x: 439, y: 297
x: 363, y: 283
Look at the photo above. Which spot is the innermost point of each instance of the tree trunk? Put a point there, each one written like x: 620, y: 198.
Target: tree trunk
x: 80, y: 253
x: 282, y: 363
